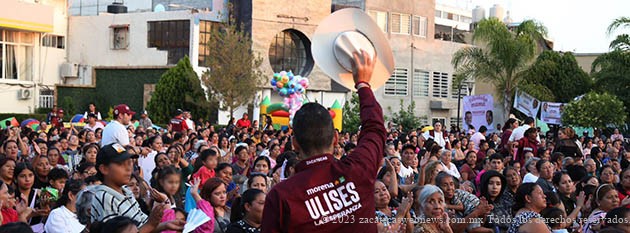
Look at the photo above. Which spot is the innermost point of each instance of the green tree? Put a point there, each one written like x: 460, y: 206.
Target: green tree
x: 558, y: 72
x: 501, y: 58
x: 611, y: 73
x: 351, y: 114
x: 405, y: 116
x: 69, y: 107
x: 594, y: 110
x: 233, y: 72
x: 622, y: 41
x: 179, y: 88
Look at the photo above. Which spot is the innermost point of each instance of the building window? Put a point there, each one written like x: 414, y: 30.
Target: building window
x: 380, y: 18
x: 438, y: 14
x: 54, y: 41
x: 424, y: 121
x: 205, y: 30
x: 120, y: 37
x: 420, y: 83
x: 419, y: 26
x: 440, y: 85
x: 46, y: 98
x: 454, y: 121
x: 401, y: 23
x: 16, y: 55
x: 290, y: 50
x: 172, y: 36
x: 397, y: 83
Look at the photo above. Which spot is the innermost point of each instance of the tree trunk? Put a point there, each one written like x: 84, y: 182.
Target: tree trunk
x: 507, y: 105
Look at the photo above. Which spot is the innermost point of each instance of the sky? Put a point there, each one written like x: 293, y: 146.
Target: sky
x: 574, y: 25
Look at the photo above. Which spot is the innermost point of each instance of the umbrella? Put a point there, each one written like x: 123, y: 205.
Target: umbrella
x: 31, y: 123
x: 28, y: 122
x: 77, y: 118
x: 12, y: 120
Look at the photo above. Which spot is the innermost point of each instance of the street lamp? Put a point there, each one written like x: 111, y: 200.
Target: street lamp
x: 469, y: 87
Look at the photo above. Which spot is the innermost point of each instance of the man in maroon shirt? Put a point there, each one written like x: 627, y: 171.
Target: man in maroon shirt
x: 325, y: 195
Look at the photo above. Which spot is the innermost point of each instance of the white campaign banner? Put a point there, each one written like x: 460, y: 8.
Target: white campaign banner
x: 526, y: 103
x: 551, y: 113
x: 478, y: 111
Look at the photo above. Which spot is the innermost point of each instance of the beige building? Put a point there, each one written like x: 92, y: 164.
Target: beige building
x: 281, y: 34
x: 32, y: 51
x: 423, y: 72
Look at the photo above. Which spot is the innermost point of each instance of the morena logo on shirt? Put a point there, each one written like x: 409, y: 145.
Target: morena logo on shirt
x: 329, y: 203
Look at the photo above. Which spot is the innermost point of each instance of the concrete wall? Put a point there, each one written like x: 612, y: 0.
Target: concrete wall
x: 266, y: 24
x: 585, y: 60
x: 45, y: 60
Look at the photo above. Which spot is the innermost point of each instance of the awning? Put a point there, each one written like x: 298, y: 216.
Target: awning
x: 26, y: 16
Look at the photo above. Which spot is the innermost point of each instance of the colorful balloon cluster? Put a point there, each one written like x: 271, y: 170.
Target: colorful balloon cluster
x: 287, y: 84
x: 291, y: 87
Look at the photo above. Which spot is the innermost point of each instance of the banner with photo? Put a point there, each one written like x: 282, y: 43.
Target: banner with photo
x: 478, y: 111
x: 526, y: 103
x: 551, y: 113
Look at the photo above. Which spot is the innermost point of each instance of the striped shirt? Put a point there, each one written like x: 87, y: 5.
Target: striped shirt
x: 108, y: 203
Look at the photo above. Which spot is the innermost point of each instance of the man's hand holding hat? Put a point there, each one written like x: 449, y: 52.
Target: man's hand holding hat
x: 362, y: 68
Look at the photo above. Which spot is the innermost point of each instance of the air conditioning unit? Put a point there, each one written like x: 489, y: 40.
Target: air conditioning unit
x: 69, y: 70
x: 24, y: 94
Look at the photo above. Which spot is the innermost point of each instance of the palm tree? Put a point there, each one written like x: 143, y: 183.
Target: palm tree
x: 622, y: 42
x: 502, y: 56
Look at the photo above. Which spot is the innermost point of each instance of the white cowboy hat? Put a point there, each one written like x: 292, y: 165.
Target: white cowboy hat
x: 345, y: 32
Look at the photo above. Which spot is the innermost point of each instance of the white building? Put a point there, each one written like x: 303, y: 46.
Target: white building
x: 136, y: 41
x: 33, y: 47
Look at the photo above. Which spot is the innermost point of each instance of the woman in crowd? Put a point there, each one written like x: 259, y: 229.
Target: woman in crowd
x: 433, y: 207
x: 42, y: 168
x: 513, y: 180
x: 492, y: 188
x: 567, y: 144
x: 7, y: 171
x: 623, y: 187
x: 529, y: 201
x: 505, y: 147
x: 572, y: 202
x: 388, y: 217
x: 89, y: 153
x: 607, y: 175
x: 467, y: 170
x: 64, y: 218
x: 246, y: 215
x: 458, y: 155
x: 25, y: 178
x: 604, y: 200
x: 212, y: 201
x: 139, y: 189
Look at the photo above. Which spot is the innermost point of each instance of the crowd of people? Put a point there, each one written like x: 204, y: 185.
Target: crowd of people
x: 248, y: 177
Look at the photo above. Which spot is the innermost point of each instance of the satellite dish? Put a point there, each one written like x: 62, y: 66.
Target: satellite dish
x: 159, y: 8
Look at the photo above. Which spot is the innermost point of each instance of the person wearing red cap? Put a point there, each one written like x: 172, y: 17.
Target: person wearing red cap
x: 324, y: 194
x: 57, y: 120
x: 116, y: 131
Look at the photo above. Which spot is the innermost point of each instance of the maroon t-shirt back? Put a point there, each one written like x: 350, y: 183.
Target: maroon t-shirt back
x: 326, y: 195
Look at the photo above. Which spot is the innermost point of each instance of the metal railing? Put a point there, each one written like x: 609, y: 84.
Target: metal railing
x: 46, y: 101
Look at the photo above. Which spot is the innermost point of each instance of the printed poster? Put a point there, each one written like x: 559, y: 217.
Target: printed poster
x: 526, y: 103
x: 478, y: 111
x: 551, y: 113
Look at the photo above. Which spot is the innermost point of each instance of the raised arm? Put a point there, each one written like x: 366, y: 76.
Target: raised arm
x: 371, y: 141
